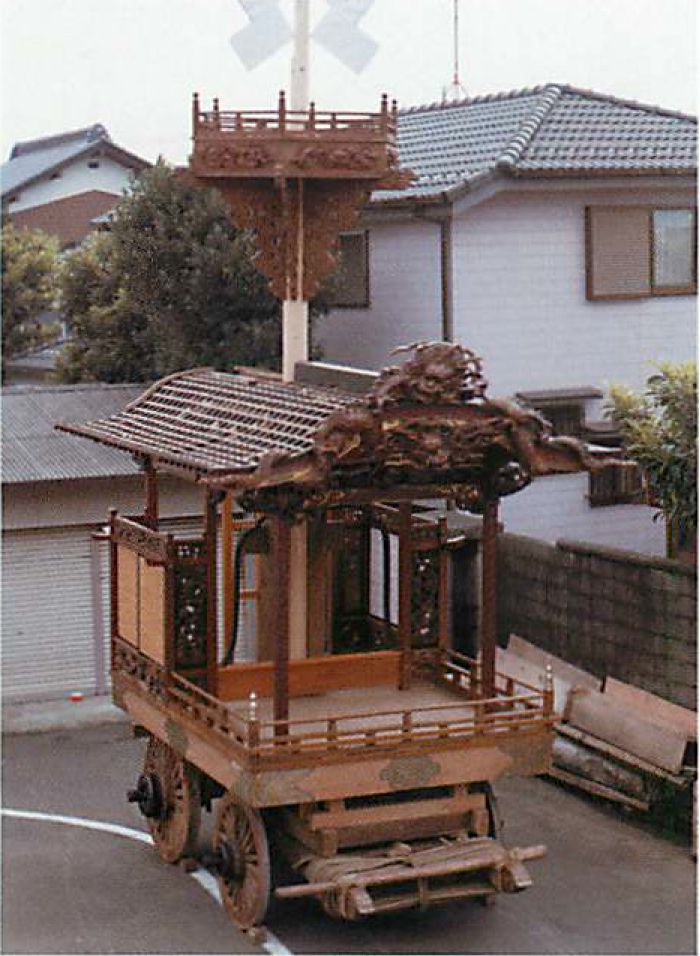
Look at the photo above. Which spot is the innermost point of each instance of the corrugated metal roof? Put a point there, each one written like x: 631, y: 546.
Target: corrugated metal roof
x: 549, y: 130
x: 33, y: 451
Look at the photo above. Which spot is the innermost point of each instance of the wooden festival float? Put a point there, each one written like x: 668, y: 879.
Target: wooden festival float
x: 369, y: 772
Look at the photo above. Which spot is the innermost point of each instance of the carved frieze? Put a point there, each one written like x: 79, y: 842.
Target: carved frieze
x: 152, y: 545
x: 130, y: 663
x: 220, y: 158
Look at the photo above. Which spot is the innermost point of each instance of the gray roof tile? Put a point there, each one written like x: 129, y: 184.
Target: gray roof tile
x: 550, y: 130
x: 33, y: 451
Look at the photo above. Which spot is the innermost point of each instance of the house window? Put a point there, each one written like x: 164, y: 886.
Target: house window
x: 564, y: 408
x: 349, y: 287
x: 638, y: 251
x: 616, y: 484
x: 94, y: 164
x: 564, y: 419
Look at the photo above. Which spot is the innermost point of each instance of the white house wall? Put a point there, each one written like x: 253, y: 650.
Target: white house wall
x: 76, y: 178
x: 405, y: 298
x: 55, y: 504
x: 520, y: 296
x: 557, y: 507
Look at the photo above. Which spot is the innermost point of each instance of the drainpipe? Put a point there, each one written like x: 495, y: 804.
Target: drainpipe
x: 446, y: 278
x: 443, y: 219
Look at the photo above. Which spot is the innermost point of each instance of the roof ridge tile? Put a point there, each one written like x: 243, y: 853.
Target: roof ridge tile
x: 470, y: 101
x: 89, y: 134
x: 528, y: 130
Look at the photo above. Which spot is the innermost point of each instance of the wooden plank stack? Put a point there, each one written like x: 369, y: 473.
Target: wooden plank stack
x: 612, y: 739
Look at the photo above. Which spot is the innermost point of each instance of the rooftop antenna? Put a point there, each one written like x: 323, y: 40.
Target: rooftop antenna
x: 455, y: 91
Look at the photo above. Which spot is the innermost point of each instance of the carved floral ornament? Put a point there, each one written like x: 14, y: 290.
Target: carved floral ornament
x: 425, y: 423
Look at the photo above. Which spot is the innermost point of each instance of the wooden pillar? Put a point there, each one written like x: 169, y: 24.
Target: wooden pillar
x: 227, y: 565
x: 405, y: 593
x: 150, y: 517
x: 489, y: 597
x: 443, y: 587
x: 210, y: 520
x: 113, y: 584
x: 281, y: 634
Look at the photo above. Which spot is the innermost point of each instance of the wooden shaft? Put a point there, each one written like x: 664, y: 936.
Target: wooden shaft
x: 210, y: 521
x: 283, y: 541
x: 151, y: 481
x: 489, y: 610
x: 405, y: 592
x: 227, y: 565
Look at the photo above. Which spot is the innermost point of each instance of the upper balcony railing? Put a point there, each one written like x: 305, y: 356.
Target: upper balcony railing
x: 369, y: 127
x: 302, y: 144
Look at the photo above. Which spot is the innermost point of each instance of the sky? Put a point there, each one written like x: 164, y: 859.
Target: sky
x: 133, y: 65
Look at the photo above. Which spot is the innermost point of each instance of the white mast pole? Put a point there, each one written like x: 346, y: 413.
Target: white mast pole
x: 295, y: 337
x: 295, y: 310
x: 299, y: 88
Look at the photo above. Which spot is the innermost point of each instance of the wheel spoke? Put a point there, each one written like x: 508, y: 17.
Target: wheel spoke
x: 245, y: 893
x: 175, y: 834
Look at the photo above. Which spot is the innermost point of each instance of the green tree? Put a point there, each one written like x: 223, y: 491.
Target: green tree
x: 659, y: 430
x: 30, y: 269
x: 172, y: 285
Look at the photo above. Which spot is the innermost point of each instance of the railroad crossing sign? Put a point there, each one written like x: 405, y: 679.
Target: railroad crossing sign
x: 338, y: 31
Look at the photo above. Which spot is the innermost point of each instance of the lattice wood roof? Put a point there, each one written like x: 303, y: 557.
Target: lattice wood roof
x: 425, y: 424
x: 216, y: 422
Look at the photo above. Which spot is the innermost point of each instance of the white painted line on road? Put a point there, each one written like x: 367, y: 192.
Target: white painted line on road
x: 79, y: 822
x: 271, y: 944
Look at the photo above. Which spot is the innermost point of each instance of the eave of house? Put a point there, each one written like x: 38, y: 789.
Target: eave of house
x: 101, y: 147
x: 458, y: 198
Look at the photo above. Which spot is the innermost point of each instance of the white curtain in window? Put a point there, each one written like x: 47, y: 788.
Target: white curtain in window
x: 673, y: 247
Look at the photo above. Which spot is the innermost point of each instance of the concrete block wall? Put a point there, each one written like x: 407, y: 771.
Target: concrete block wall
x: 605, y: 610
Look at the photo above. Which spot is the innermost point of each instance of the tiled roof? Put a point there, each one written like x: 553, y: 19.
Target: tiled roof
x: 545, y: 131
x: 33, y: 451
x: 39, y: 157
x: 216, y: 421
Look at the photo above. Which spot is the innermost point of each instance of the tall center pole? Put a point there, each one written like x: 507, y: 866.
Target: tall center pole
x: 295, y: 332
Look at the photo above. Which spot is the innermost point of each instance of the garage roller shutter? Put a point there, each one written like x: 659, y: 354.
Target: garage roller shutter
x: 47, y: 626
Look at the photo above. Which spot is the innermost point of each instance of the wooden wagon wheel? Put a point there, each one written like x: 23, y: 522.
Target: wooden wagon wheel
x: 243, y: 861
x: 175, y: 825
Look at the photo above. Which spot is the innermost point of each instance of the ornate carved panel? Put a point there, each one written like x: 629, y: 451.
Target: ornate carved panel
x: 190, y: 614
x: 424, y: 598
x: 128, y: 661
x: 290, y: 217
x: 152, y: 545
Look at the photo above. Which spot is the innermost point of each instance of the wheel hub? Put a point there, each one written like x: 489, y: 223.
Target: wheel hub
x: 149, y: 797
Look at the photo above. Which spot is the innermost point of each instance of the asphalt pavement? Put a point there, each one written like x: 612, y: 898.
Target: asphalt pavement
x: 608, y: 884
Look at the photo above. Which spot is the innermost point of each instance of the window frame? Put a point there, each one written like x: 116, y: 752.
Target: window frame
x: 653, y: 290
x: 362, y: 302
x: 604, y: 497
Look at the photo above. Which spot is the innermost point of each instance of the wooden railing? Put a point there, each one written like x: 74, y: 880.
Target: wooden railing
x: 381, y: 125
x: 258, y: 743
x: 402, y: 729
